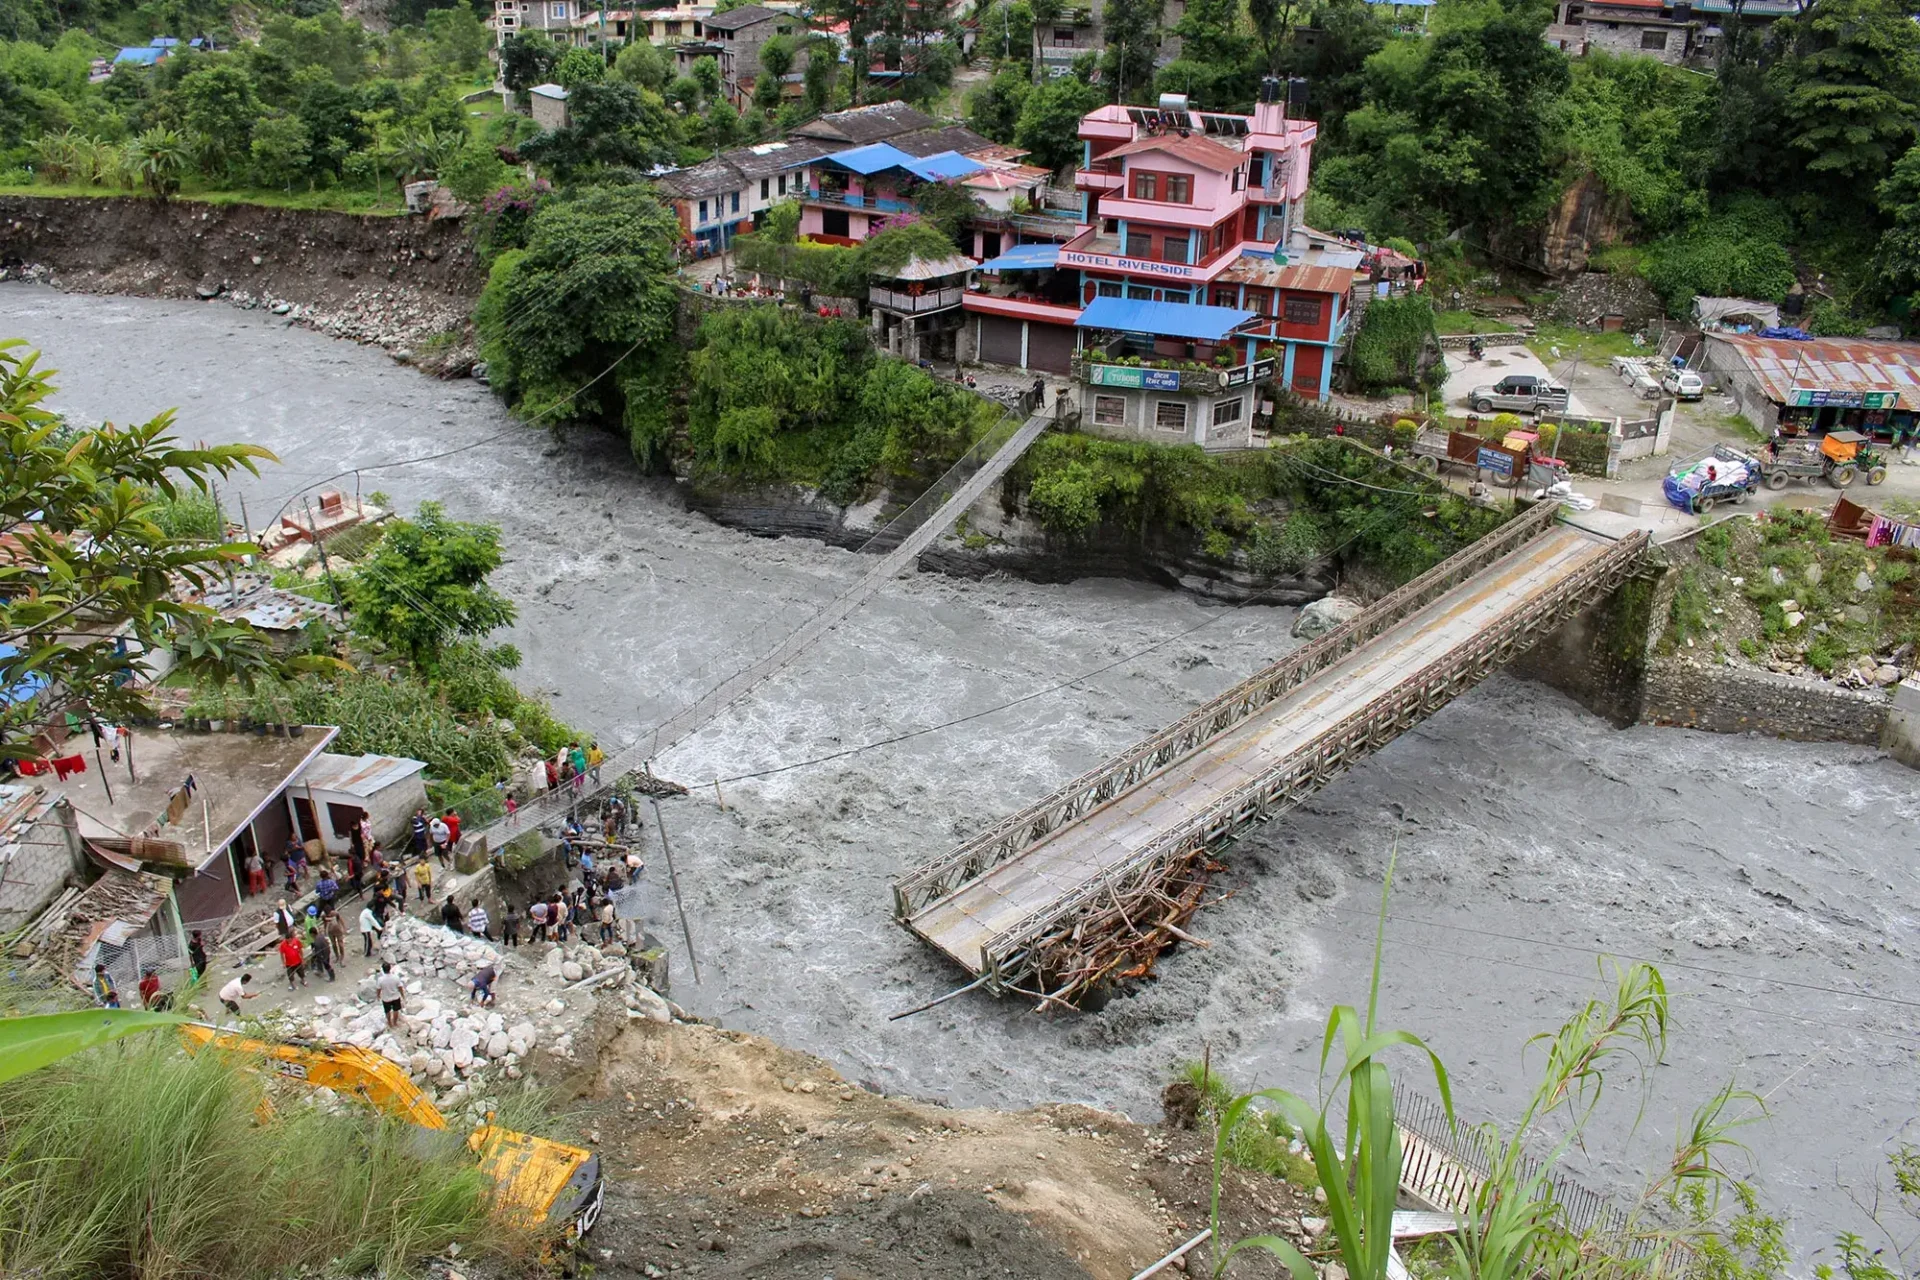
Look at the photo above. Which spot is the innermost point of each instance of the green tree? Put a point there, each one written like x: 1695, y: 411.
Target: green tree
x: 578, y: 327
x: 706, y: 74
x: 993, y: 109
x: 527, y: 60
x: 777, y: 56
x: 1850, y: 89
x: 579, y: 66
x: 610, y: 124
x: 475, y: 172
x: 1132, y: 30
x: 1217, y: 64
x: 281, y: 150
x: 1049, y: 126
x: 821, y: 75
x: 160, y: 157
x: 460, y: 39
x: 1006, y: 32
x: 425, y: 586
x: 1898, y: 256
x: 89, y: 559
x: 219, y: 108
x: 642, y: 65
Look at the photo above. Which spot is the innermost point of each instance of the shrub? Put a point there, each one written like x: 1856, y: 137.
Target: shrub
x: 1394, y: 334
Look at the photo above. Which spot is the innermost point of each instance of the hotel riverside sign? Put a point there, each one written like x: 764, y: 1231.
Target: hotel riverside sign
x: 1137, y: 266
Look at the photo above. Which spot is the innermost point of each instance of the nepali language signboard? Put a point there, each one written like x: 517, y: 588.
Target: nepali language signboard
x: 1821, y: 398
x: 1107, y: 375
x: 1496, y: 460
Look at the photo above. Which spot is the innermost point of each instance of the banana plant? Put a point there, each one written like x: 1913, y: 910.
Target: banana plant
x: 35, y: 1040
x: 1361, y: 1172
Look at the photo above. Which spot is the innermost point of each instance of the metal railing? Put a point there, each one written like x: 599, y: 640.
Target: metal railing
x: 878, y: 204
x: 1014, y: 834
x: 1008, y: 957
x: 936, y: 300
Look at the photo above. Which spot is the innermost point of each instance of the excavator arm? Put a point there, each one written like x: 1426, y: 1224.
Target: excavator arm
x: 344, y: 1068
x: 541, y: 1183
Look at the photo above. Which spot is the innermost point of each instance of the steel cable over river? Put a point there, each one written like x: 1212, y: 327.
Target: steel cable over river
x: 1778, y: 876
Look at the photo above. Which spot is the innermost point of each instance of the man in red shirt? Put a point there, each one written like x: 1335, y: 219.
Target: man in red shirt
x: 150, y: 997
x: 294, y: 956
x: 453, y: 829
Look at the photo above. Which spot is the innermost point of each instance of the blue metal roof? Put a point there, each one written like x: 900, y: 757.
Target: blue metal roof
x: 944, y: 164
x: 878, y: 156
x: 164, y: 42
x: 1024, y: 257
x: 145, y: 56
x: 1163, y: 319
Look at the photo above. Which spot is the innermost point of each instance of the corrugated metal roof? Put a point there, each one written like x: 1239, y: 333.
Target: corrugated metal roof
x: 361, y: 776
x: 866, y: 124
x: 1830, y: 364
x: 744, y: 16
x: 931, y: 142
x: 1268, y: 274
x: 1194, y: 149
x: 1163, y: 319
x: 929, y: 268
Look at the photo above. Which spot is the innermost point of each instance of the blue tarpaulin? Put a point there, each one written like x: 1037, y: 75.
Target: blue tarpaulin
x: 944, y: 164
x: 145, y: 56
x: 1163, y: 319
x: 29, y: 684
x: 1024, y: 257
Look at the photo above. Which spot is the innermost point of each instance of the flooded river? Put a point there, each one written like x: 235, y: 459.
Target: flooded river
x: 1775, y: 882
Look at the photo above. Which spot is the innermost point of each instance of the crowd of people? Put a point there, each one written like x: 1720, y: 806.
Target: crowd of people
x: 313, y: 940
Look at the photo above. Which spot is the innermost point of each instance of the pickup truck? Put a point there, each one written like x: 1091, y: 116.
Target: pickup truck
x: 1519, y: 393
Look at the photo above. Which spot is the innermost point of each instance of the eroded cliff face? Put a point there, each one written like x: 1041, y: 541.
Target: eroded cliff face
x: 999, y: 536
x: 1587, y: 218
x: 407, y: 284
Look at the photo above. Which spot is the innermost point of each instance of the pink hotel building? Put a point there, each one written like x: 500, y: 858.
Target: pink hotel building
x: 1188, y: 207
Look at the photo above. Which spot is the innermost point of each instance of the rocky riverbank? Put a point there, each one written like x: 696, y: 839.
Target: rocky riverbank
x: 405, y: 284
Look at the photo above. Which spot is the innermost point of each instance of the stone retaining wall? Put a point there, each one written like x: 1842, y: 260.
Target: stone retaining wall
x: 1723, y: 699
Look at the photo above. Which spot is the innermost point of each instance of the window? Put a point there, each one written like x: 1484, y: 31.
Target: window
x: 1225, y: 298
x: 1175, y: 249
x: 1170, y: 415
x: 1139, y: 245
x: 736, y: 202
x: 1063, y: 37
x: 1109, y: 411
x: 673, y: 28
x: 1140, y: 292
x: 1655, y: 40
x: 1146, y: 186
x: 1106, y: 288
x: 764, y: 184
x: 1303, y: 310
x: 703, y: 211
x: 557, y: 11
x: 1179, y: 188
x: 1228, y: 411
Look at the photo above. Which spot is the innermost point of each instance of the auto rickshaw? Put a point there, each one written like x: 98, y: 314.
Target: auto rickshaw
x: 1849, y: 453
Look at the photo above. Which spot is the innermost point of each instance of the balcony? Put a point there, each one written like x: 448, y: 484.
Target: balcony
x: 1051, y: 224
x: 916, y: 303
x: 848, y: 200
x: 1097, y: 179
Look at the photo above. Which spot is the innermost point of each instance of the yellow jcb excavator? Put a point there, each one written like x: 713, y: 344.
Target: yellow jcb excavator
x: 544, y: 1185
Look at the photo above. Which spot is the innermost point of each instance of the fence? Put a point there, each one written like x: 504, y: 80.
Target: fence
x: 163, y: 951
x: 1449, y: 1162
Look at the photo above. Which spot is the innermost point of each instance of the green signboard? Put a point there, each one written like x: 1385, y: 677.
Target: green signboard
x: 1107, y: 375
x: 1820, y: 398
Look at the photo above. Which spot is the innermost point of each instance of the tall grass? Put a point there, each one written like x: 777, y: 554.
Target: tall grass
x: 138, y: 1160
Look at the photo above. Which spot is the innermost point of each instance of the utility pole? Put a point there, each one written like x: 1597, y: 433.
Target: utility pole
x: 326, y: 566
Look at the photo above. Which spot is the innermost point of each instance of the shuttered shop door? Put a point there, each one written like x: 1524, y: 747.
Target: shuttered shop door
x: 999, y: 340
x: 1049, y: 347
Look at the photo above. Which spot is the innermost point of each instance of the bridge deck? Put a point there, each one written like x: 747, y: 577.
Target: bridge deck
x: 962, y: 922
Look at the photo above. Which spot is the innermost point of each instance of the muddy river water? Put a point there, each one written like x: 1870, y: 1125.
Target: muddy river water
x: 1775, y: 882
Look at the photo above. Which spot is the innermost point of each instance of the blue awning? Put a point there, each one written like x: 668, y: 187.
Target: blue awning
x: 1164, y: 319
x: 1024, y: 257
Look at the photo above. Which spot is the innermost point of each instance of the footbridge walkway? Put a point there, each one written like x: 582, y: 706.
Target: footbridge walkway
x: 1091, y: 883
x: 902, y: 541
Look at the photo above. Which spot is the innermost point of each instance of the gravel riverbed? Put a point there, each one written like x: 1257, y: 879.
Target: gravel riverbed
x: 1774, y: 881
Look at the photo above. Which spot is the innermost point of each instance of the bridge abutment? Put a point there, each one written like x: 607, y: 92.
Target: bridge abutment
x: 1601, y: 656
